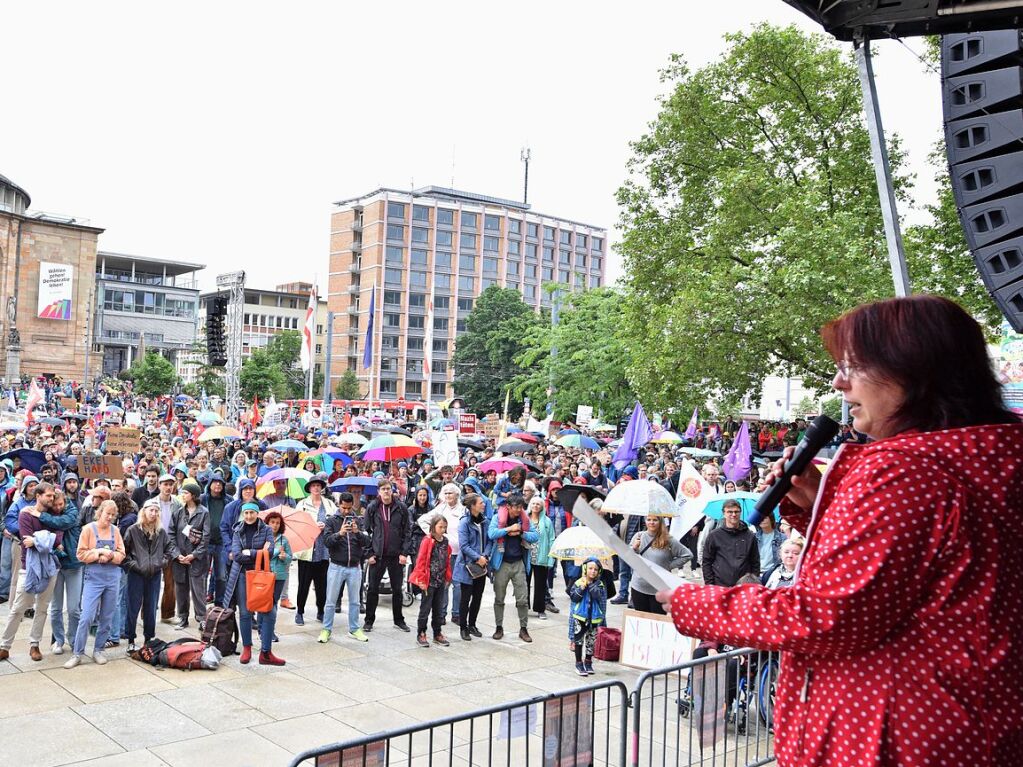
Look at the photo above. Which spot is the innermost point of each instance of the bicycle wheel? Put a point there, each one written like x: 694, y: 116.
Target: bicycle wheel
x: 768, y: 679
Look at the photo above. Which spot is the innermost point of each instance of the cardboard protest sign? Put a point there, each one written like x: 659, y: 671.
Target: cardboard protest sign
x: 68, y: 403
x: 100, y: 467
x: 123, y: 439
x: 492, y: 426
x: 650, y: 641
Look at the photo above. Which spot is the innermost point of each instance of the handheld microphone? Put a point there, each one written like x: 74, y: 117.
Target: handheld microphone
x: 820, y: 433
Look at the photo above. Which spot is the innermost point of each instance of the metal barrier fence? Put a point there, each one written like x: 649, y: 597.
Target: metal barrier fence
x: 583, y: 726
x: 713, y: 710
x: 709, y: 711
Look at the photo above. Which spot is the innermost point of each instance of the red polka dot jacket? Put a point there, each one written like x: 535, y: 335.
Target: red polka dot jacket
x: 903, y: 635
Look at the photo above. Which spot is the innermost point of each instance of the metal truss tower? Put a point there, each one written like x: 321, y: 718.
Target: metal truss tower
x: 234, y: 283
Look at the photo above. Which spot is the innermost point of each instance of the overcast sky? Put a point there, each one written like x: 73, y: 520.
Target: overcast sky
x: 220, y: 133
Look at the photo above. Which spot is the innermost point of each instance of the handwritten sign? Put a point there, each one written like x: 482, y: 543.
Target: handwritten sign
x: 466, y: 423
x: 492, y: 426
x: 68, y: 403
x: 650, y: 641
x: 123, y: 439
x: 100, y: 467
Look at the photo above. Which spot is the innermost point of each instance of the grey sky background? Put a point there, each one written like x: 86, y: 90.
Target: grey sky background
x: 221, y: 133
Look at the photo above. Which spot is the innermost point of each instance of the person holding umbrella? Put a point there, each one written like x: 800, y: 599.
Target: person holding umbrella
x: 313, y: 562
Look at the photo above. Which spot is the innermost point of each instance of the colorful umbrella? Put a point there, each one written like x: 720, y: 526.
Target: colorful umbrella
x: 367, y: 485
x: 640, y: 497
x: 578, y: 441
x: 326, y: 456
x: 579, y: 543
x: 389, y: 447
x: 667, y: 438
x: 567, y: 432
x: 219, y: 432
x: 500, y: 464
x: 295, y: 478
x: 289, y: 444
x: 300, y: 527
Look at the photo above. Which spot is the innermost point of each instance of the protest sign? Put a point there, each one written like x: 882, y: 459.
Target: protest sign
x: 445, y: 448
x: 133, y: 419
x: 650, y: 641
x: 568, y: 731
x: 100, y: 467
x: 123, y: 439
x: 467, y: 423
x: 68, y: 403
x: 492, y: 426
x: 583, y: 414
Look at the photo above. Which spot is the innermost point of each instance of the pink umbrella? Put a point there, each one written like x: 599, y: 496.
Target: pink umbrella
x: 501, y: 464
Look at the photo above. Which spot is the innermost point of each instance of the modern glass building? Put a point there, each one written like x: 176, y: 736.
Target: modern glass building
x: 451, y: 246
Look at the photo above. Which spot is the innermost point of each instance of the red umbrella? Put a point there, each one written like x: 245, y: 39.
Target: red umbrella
x: 525, y: 436
x: 300, y: 527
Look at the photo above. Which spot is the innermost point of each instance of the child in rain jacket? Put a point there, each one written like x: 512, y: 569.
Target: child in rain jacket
x: 589, y: 605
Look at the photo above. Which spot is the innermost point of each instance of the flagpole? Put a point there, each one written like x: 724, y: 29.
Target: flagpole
x: 309, y: 373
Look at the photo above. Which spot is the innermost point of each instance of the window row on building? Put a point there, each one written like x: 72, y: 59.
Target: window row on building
x: 271, y: 321
x: 147, y: 302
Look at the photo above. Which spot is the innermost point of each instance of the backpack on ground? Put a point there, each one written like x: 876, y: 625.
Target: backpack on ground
x: 183, y: 654
x: 150, y: 652
x: 220, y: 630
x: 608, y: 645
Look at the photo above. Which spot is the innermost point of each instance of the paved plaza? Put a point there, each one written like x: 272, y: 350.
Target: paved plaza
x: 129, y: 713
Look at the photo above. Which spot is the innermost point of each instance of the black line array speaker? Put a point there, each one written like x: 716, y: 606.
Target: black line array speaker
x: 982, y: 95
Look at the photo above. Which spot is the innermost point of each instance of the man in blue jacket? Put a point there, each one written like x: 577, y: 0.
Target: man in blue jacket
x: 509, y: 561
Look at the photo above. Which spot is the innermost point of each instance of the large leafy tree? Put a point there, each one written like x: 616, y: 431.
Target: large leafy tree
x: 590, y: 365
x: 261, y: 376
x: 348, y: 387
x: 284, y: 350
x: 486, y: 353
x: 154, y: 376
x: 750, y: 219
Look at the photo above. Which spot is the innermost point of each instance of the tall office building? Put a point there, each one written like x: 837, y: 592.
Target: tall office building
x: 450, y: 245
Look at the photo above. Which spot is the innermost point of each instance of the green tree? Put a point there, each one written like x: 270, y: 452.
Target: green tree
x: 833, y: 408
x: 485, y: 355
x: 260, y: 376
x: 591, y: 361
x: 154, y: 375
x: 750, y: 219
x: 285, y: 350
x: 348, y: 386
x: 208, y: 378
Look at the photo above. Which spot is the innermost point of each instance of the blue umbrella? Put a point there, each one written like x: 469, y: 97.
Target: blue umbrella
x: 182, y: 398
x: 367, y: 485
x: 565, y: 432
x: 32, y: 460
x: 513, y: 429
x: 290, y: 444
x: 715, y: 508
x: 441, y: 423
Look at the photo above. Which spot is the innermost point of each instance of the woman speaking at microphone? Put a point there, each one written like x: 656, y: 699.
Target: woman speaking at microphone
x: 903, y: 632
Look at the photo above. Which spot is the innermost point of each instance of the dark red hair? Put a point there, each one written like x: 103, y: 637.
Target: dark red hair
x: 932, y: 349
x: 276, y: 515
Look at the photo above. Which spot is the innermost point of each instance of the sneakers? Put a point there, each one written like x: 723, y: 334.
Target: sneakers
x: 541, y: 616
x: 319, y: 617
x: 132, y: 647
x: 553, y: 608
x: 498, y: 633
x: 588, y: 665
x: 475, y: 632
x: 181, y: 625
x: 621, y: 599
x: 57, y: 648
x: 358, y: 635
x: 269, y: 659
x: 464, y: 633
x: 287, y: 604
x: 422, y: 641
x: 323, y: 638
x: 99, y: 658
x: 441, y: 640
x: 299, y: 619
x: 402, y: 627
x: 73, y: 661
x: 246, y: 655
x: 580, y: 669
x: 367, y: 626
x: 524, y: 635
x: 34, y: 654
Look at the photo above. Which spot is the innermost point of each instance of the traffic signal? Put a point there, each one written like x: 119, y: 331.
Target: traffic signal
x: 216, y: 343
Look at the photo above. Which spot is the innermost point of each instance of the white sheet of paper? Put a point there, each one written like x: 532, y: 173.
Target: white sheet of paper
x: 652, y: 573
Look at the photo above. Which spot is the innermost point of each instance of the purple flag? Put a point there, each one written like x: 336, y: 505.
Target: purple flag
x: 637, y: 434
x: 739, y: 461
x: 367, y: 352
x: 691, y: 429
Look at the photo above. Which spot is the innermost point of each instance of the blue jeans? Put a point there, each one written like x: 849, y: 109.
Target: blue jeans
x: 69, y: 584
x: 121, y: 613
x: 351, y: 577
x: 267, y: 621
x: 144, y: 595
x: 455, y: 599
x: 624, y: 577
x: 218, y: 572
x: 5, y: 568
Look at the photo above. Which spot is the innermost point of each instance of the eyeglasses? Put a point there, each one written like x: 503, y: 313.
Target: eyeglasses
x: 846, y: 370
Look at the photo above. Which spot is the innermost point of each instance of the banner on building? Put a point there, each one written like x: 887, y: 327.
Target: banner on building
x: 55, y: 290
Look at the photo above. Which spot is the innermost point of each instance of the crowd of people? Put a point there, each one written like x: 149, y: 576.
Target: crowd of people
x: 191, y: 517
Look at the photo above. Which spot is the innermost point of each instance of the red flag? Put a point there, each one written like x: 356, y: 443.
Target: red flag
x: 256, y: 417
x: 170, y: 411
x: 347, y: 423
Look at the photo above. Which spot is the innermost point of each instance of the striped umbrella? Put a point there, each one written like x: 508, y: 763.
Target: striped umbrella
x: 389, y: 447
x: 219, y: 432
x: 667, y: 438
x: 579, y: 441
x: 295, y: 479
x: 325, y: 457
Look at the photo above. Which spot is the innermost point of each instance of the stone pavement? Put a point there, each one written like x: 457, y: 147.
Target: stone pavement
x: 128, y: 713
